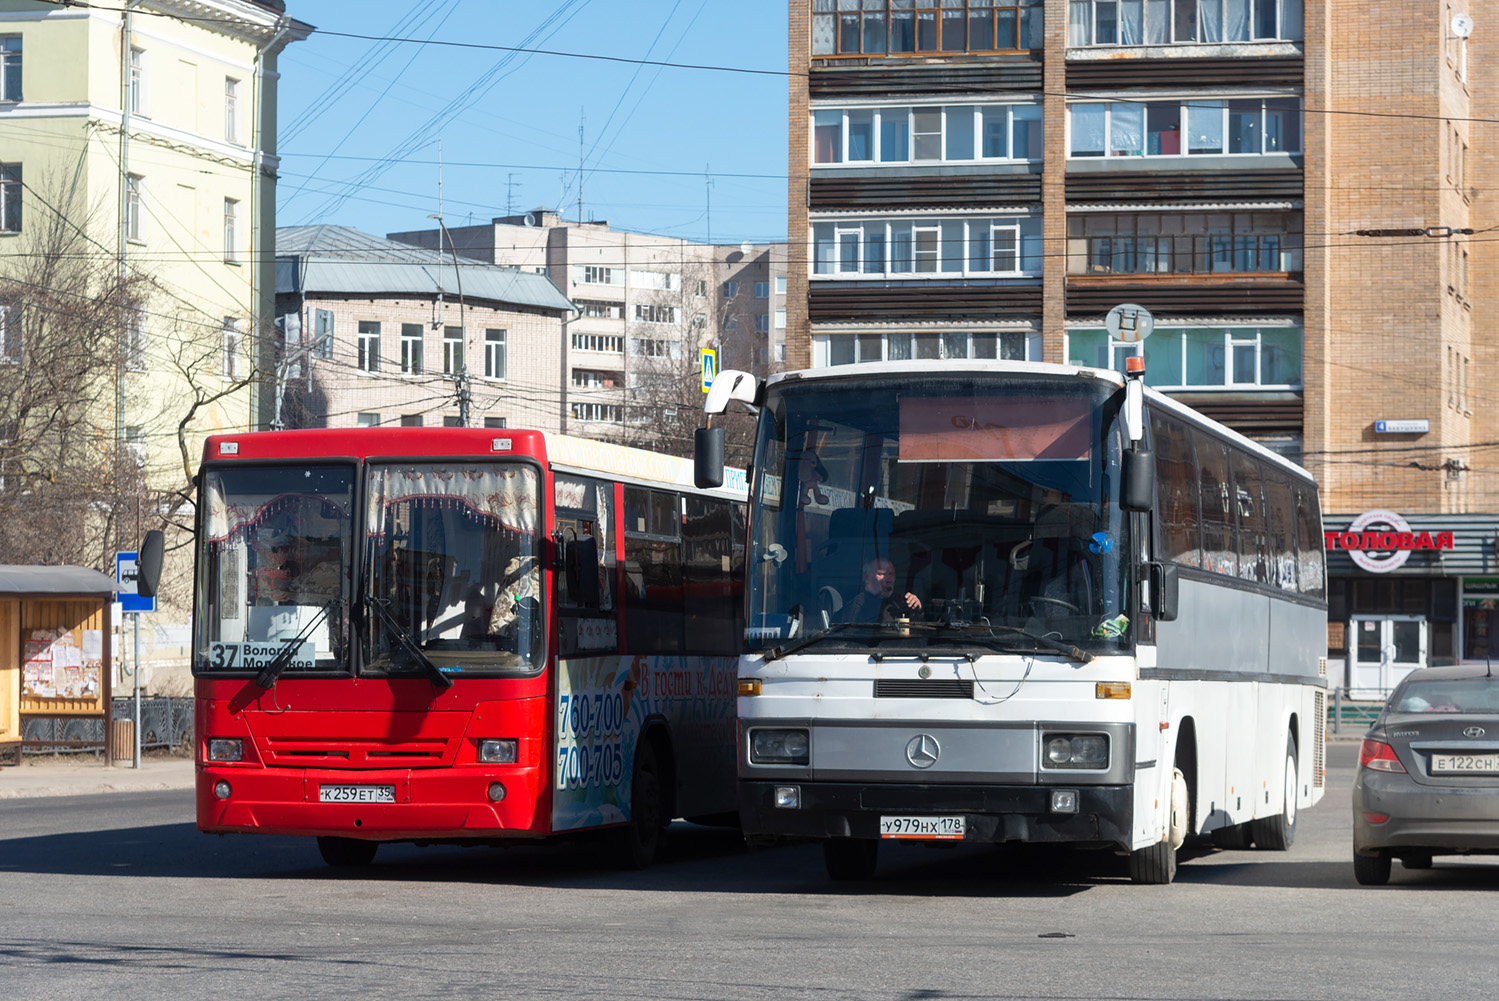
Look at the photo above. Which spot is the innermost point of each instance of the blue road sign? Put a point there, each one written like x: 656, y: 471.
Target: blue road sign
x: 710, y: 367
x: 127, y: 570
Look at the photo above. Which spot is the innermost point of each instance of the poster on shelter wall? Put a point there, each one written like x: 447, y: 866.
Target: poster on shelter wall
x: 56, y: 666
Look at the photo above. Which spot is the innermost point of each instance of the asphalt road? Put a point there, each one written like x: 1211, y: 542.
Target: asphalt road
x: 118, y: 896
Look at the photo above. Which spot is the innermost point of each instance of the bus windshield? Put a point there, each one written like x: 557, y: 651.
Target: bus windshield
x: 939, y: 510
x: 452, y: 569
x: 275, y: 567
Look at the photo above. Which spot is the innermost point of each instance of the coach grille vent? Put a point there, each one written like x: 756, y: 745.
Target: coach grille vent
x: 941, y: 689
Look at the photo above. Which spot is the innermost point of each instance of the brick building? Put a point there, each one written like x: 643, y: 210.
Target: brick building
x: 974, y: 180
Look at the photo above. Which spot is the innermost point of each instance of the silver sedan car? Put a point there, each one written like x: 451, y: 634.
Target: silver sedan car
x: 1428, y: 777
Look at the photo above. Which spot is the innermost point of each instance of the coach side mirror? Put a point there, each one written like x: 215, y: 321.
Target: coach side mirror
x: 1137, y: 480
x: 148, y: 563
x: 707, y: 457
x: 1163, y: 590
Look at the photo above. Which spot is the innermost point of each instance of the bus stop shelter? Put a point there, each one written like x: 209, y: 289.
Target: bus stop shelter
x: 54, y: 649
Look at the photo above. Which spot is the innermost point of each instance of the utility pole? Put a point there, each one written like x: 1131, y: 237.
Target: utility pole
x: 582, y: 118
x: 460, y: 377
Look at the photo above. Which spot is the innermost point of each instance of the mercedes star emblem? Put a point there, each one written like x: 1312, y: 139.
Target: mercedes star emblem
x: 923, y: 750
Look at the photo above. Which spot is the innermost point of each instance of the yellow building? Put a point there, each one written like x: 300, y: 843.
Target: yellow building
x: 152, y: 129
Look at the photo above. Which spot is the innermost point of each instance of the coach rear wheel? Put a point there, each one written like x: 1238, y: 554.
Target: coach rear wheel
x: 347, y: 852
x: 1278, y: 833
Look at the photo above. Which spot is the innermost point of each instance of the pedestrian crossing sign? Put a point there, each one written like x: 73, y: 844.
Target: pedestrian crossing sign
x: 710, y: 367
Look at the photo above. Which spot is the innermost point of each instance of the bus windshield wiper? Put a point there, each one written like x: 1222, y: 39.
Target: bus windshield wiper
x: 267, y: 677
x: 406, y: 644
x: 987, y: 635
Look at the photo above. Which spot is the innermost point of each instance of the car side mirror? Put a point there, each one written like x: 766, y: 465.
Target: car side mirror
x: 1137, y: 480
x: 1164, y: 591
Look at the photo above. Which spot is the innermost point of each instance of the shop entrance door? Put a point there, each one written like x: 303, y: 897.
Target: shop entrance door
x: 1385, y: 649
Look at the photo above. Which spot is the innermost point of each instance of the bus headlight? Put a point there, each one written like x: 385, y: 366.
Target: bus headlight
x: 226, y: 749
x: 505, y: 751
x: 779, y: 747
x: 1076, y: 750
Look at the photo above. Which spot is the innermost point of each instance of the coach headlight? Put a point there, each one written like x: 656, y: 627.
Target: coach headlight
x: 226, y: 749
x: 505, y: 751
x: 1076, y: 750
x: 779, y: 747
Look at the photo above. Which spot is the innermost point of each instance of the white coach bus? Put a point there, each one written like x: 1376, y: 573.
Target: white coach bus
x: 1012, y: 602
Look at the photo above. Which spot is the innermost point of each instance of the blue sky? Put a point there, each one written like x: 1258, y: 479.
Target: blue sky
x: 359, y: 119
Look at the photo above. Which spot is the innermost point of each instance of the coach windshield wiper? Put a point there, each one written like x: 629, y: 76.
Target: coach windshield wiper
x: 406, y: 644
x: 267, y: 677
x: 987, y: 635
x: 777, y: 652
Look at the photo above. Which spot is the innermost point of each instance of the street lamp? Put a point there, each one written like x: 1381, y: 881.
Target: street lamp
x: 461, y: 376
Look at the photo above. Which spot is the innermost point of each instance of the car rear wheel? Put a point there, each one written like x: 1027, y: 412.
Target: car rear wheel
x: 850, y: 858
x: 1278, y: 833
x: 347, y: 853
x: 1371, y: 870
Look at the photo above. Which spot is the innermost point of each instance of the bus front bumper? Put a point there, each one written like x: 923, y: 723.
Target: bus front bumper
x: 992, y: 813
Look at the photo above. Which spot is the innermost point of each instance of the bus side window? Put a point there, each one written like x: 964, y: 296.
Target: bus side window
x: 1311, y: 554
x: 1176, y: 490
x: 1280, y: 525
x: 1219, y: 553
x: 1250, y: 504
x: 585, y: 507
x: 707, y: 565
x: 653, y: 572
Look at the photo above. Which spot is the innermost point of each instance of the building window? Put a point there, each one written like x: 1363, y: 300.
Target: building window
x: 495, y: 422
x: 701, y: 289
x: 137, y: 80
x: 231, y: 109
x: 231, y: 231
x: 780, y: 319
x: 611, y: 413
x: 411, y: 349
x: 845, y: 349
x: 585, y: 379
x: 134, y: 187
x: 10, y: 68
x: 452, y: 350
x: 12, y: 343
x: 411, y: 420
x: 1201, y: 357
x: 1183, y: 242
x: 1256, y: 126
x: 233, y: 347
x: 762, y: 290
x: 946, y: 247
x: 1166, y: 22
x: 657, y: 281
x: 649, y: 347
x: 452, y: 422
x: 780, y: 284
x: 322, y: 333
x: 599, y: 342
x: 369, y: 346
x: 730, y: 289
x: 135, y: 341
x: 652, y: 313
x: 365, y: 419
x: 494, y: 354
x: 10, y: 198
x: 590, y: 274
x: 599, y: 309
x: 762, y: 323
x: 135, y: 445
x: 892, y: 28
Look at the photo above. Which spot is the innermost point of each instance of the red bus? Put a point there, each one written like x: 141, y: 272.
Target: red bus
x: 462, y: 635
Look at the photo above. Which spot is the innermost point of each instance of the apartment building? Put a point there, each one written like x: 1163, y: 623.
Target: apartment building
x: 1289, y: 186
x: 383, y: 333
x: 647, y: 307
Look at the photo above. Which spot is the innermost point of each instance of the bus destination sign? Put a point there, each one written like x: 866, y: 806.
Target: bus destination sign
x: 257, y: 656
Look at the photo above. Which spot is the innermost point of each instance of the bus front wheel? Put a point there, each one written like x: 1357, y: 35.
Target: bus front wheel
x: 347, y: 853
x: 639, y: 840
x: 1278, y: 833
x: 849, y: 859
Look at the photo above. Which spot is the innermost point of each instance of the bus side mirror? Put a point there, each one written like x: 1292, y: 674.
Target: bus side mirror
x: 707, y: 457
x: 1137, y: 480
x: 1163, y: 590
x: 148, y: 563
x: 581, y: 564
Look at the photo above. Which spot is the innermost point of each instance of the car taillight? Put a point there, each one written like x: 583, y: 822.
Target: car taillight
x: 1379, y: 756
